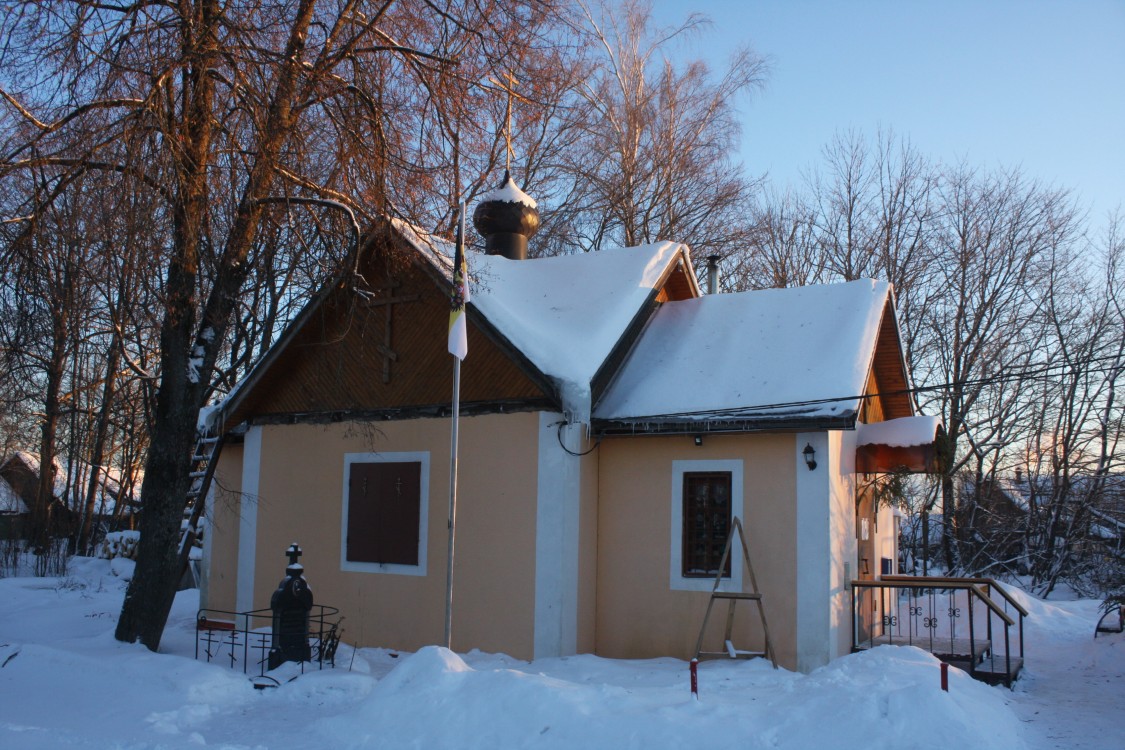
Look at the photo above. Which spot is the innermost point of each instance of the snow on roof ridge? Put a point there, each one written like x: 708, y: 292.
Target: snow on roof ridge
x: 567, y: 313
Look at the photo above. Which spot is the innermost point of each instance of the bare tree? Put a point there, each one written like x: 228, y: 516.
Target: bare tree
x: 1073, y: 441
x: 783, y: 251
x: 993, y: 246
x: 221, y: 111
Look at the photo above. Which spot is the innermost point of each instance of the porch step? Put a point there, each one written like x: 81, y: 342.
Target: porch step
x: 992, y: 671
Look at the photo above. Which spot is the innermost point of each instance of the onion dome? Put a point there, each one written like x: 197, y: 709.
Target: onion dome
x: 507, y: 218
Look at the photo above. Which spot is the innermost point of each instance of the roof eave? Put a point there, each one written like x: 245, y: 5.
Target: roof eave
x: 686, y: 425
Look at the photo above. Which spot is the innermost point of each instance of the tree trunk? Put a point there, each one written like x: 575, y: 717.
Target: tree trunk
x: 98, y: 453
x: 153, y: 588
x: 40, y: 536
x: 187, y: 360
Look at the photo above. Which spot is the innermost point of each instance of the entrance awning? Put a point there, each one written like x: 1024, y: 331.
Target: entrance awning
x: 908, y: 444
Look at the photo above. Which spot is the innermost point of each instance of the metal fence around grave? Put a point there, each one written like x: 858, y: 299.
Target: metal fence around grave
x: 243, y: 639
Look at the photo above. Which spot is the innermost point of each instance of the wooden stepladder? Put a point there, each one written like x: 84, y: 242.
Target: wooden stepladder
x: 733, y: 597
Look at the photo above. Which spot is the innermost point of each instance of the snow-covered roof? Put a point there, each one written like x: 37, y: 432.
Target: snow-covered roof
x: 905, y: 432
x: 772, y: 354
x: 782, y: 355
x: 1107, y: 491
x: 75, y: 474
x: 565, y: 313
x: 10, y: 502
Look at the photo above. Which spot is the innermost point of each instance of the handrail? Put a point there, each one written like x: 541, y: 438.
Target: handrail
x: 990, y: 582
x: 937, y: 583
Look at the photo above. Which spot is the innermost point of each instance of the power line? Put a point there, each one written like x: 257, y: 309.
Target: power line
x: 1040, y: 372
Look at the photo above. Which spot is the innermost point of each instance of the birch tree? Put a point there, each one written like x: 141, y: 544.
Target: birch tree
x: 653, y: 156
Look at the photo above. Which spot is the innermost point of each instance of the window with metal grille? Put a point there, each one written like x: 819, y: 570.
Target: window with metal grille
x: 706, y: 523
x: 383, y: 511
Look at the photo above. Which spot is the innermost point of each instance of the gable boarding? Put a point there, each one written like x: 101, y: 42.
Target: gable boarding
x: 381, y: 352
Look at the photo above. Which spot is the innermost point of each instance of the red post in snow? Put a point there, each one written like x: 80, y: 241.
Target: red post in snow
x: 695, y: 678
x: 945, y: 677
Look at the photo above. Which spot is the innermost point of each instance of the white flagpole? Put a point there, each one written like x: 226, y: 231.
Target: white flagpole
x: 453, y: 454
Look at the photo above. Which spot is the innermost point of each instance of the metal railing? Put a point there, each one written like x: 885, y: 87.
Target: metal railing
x: 245, y: 638
x: 955, y: 619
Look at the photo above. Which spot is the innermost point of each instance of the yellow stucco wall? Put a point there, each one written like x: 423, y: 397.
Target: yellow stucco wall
x: 220, y: 576
x: 639, y: 614
x: 588, y: 553
x: 301, y: 490
x: 843, y: 546
x: 627, y: 606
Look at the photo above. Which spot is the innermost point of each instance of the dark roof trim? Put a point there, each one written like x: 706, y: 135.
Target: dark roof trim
x: 681, y: 426
x: 441, y: 410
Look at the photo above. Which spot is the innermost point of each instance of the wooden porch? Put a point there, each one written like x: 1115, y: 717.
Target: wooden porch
x: 970, y: 623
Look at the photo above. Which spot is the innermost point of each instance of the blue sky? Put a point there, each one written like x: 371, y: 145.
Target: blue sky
x: 996, y: 83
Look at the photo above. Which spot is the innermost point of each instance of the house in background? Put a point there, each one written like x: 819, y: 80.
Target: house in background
x: 614, y: 421
x: 19, y: 485
x: 999, y: 514
x: 13, y: 511
x: 19, y: 473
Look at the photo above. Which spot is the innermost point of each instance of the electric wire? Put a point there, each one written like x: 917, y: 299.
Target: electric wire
x: 592, y: 448
x: 1039, y: 372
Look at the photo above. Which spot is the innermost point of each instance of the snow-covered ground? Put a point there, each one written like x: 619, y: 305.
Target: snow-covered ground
x: 65, y: 683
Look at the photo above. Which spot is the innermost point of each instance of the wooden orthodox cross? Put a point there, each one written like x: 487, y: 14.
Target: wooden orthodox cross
x: 388, y: 302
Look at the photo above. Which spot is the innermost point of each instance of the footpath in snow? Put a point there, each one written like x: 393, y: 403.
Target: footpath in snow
x: 66, y: 683
x: 1072, y: 692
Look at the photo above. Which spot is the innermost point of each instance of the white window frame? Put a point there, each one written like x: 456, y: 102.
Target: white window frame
x: 421, y: 457
x: 676, y: 580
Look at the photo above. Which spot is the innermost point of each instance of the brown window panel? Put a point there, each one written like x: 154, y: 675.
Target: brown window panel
x: 384, y: 505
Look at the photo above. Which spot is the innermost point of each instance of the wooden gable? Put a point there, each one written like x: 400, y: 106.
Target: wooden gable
x: 678, y: 285
x: 377, y: 348
x: 887, y: 394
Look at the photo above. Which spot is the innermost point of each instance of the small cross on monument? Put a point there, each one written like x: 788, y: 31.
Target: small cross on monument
x: 508, y: 87
x: 294, y: 569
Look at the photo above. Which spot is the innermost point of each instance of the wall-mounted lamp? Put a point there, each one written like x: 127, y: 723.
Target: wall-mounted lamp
x: 810, y: 456
x: 698, y: 439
